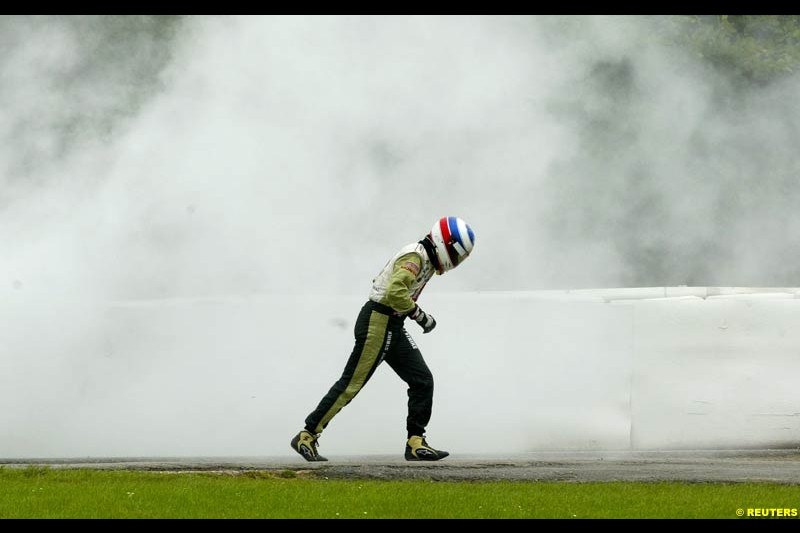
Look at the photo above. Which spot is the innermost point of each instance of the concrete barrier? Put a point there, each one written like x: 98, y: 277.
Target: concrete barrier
x: 610, y: 369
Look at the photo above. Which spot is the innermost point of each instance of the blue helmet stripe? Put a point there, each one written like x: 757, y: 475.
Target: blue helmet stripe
x: 453, y: 224
x: 471, y: 235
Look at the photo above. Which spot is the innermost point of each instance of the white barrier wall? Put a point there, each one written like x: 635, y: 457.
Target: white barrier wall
x: 658, y: 368
x: 720, y: 372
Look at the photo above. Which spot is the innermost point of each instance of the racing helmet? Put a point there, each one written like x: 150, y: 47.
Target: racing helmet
x: 452, y: 239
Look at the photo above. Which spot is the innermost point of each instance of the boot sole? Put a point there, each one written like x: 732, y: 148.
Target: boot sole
x: 437, y: 458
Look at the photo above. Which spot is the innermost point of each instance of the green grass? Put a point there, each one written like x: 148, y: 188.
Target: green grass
x: 53, y: 493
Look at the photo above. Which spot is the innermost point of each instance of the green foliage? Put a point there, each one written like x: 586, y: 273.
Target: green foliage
x: 684, y: 131
x: 756, y: 48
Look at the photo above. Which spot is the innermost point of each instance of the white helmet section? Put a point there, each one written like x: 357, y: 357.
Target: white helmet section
x: 453, y: 240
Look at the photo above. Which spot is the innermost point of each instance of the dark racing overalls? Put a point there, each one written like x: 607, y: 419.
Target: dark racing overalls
x: 380, y: 336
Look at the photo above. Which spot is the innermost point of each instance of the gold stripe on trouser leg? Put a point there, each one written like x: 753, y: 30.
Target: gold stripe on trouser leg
x: 369, y: 354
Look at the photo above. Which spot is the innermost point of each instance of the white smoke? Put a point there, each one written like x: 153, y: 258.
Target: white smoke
x: 261, y: 155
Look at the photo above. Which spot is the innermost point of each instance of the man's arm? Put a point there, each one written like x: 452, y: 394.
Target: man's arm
x: 404, y: 273
x: 398, y: 291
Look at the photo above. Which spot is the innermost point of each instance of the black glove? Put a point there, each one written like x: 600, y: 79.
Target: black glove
x: 423, y: 319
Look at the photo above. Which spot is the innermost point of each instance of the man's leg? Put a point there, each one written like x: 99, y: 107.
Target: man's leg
x: 373, y: 337
x: 408, y: 363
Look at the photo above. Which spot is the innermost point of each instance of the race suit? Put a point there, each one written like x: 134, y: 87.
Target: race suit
x: 380, y: 336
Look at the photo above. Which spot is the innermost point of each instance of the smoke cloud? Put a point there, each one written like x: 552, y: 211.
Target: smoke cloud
x: 147, y: 158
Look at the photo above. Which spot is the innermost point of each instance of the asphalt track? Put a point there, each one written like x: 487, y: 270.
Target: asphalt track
x: 780, y: 466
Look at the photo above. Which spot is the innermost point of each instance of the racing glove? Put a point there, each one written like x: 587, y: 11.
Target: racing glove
x: 426, y: 321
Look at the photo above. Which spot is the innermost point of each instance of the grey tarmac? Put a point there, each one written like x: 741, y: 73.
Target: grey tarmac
x: 779, y: 466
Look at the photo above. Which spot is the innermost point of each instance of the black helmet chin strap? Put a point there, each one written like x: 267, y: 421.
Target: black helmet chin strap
x: 431, y: 249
